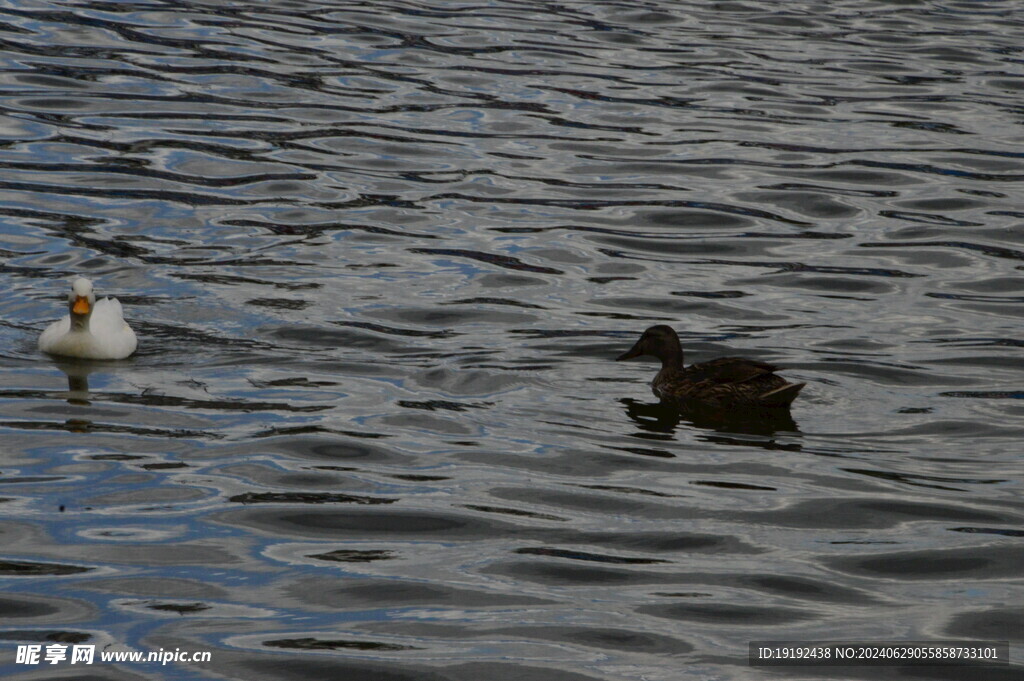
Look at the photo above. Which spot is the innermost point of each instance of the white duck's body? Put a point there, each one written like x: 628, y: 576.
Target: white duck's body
x: 91, y: 330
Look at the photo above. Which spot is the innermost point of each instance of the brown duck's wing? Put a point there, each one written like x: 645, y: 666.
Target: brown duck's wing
x: 728, y: 370
x: 782, y: 396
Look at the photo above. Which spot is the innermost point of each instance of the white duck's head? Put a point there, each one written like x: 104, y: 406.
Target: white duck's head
x: 81, y: 301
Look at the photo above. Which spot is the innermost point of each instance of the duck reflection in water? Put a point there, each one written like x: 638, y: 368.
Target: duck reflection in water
x: 665, y: 417
x: 78, y: 379
x: 729, y: 394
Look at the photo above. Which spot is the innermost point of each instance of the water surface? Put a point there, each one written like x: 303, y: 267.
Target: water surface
x: 380, y: 257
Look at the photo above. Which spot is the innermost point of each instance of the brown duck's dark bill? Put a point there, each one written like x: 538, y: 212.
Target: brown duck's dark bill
x: 634, y: 351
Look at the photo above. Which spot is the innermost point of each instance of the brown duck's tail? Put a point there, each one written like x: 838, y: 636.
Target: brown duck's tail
x: 781, y: 397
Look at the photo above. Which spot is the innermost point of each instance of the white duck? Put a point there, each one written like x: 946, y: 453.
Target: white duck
x: 91, y: 330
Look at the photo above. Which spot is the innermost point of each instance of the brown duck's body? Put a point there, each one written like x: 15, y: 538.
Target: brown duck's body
x: 727, y: 381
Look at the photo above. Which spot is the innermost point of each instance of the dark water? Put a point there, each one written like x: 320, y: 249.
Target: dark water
x: 380, y: 256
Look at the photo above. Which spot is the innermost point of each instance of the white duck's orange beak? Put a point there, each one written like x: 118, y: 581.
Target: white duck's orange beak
x: 81, y: 305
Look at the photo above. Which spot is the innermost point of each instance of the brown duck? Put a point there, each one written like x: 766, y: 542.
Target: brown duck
x: 726, y: 381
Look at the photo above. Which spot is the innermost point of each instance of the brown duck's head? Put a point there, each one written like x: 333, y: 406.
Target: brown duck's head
x: 660, y: 341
